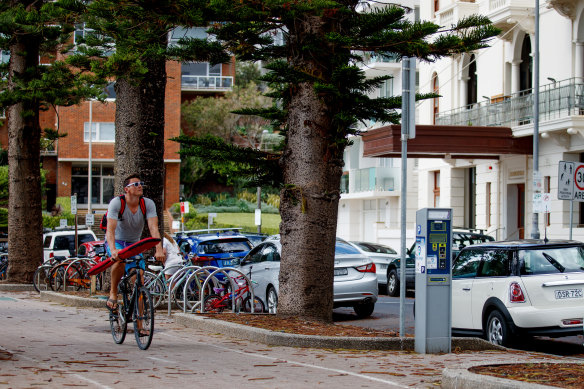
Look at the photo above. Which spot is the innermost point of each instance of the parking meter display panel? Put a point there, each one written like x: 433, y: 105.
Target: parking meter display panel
x: 438, y: 249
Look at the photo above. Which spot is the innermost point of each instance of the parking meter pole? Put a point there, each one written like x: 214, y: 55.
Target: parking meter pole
x: 433, y: 280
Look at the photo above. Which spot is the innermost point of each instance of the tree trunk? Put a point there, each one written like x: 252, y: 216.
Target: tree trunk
x: 139, y: 144
x: 312, y: 169
x: 24, y: 185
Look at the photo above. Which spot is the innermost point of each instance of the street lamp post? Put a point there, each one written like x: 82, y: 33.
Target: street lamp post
x: 89, y: 178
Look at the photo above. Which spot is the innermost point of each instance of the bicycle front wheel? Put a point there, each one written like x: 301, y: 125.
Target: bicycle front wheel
x: 40, y: 280
x: 156, y: 287
x: 143, y: 318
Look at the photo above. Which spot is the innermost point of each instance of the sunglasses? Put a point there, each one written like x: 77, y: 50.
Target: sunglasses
x: 136, y: 184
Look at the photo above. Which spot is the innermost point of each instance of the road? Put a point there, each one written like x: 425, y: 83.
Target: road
x: 386, y: 317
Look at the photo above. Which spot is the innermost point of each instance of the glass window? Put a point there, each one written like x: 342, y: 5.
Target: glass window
x: 102, y: 189
x: 100, y: 132
x: 342, y: 247
x: 47, y: 242
x: 223, y: 246
x: 270, y: 253
x: 495, y: 264
x: 467, y: 264
x: 255, y: 255
x: 195, y: 68
x: 215, y: 70
x: 552, y: 260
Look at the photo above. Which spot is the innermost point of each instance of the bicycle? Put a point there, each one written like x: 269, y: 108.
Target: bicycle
x: 3, y: 266
x: 137, y: 308
x: 42, y: 273
x: 73, y: 272
x: 224, y: 298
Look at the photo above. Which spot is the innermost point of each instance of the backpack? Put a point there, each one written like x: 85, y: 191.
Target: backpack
x: 141, y: 202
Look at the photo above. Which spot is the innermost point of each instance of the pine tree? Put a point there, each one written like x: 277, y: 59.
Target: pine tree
x: 323, y: 95
x: 129, y: 43
x: 30, y: 30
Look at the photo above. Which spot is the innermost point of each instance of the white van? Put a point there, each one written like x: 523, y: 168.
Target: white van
x: 62, y: 242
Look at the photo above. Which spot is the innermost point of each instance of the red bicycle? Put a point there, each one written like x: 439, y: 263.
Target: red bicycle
x: 224, y: 298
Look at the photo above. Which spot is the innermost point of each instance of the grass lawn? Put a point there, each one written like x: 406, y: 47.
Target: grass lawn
x: 270, y: 221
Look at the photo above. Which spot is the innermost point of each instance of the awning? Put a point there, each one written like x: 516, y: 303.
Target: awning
x: 432, y: 141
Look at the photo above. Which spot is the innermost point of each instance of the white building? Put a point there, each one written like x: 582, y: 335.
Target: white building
x: 487, y: 189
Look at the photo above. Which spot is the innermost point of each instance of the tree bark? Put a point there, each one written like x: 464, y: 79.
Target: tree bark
x: 312, y: 168
x: 24, y: 185
x: 139, y: 146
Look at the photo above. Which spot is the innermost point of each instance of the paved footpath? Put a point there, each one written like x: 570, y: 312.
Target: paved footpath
x: 52, y: 345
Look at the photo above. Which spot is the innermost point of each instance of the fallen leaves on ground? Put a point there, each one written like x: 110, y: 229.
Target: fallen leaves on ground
x: 561, y: 375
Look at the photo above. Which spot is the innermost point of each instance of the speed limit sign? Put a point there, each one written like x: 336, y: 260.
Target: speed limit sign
x: 579, y: 182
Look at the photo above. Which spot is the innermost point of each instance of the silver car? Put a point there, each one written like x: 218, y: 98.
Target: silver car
x: 380, y: 255
x: 355, y: 282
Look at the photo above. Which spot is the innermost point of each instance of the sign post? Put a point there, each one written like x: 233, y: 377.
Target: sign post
x: 184, y: 208
x: 74, y: 213
x: 571, y: 185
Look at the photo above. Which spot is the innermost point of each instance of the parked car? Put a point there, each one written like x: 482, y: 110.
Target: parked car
x: 503, y: 290
x: 214, y: 247
x: 255, y: 238
x: 381, y: 256
x: 91, y: 249
x: 62, y: 242
x: 461, y: 238
x: 355, y: 282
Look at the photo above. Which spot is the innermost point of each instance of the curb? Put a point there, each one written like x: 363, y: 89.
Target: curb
x: 16, y: 287
x: 76, y: 301
x: 463, y: 378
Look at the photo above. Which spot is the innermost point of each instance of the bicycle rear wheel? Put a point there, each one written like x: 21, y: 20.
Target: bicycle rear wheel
x: 213, y: 303
x: 56, y: 278
x: 258, y: 305
x: 119, y: 325
x: 143, y: 318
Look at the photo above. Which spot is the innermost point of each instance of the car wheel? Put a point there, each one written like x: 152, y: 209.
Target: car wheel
x: 272, y: 300
x: 497, y: 329
x: 393, y: 283
x: 364, y: 310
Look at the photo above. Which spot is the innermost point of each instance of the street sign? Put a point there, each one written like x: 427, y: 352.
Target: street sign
x: 63, y: 223
x: 566, y: 180
x: 184, y: 207
x: 89, y: 219
x: 258, y: 217
x: 74, y: 204
x: 542, y: 203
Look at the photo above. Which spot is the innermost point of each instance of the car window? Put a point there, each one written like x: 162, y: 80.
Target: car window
x: 467, y: 264
x: 223, y: 246
x: 47, y: 242
x: 375, y: 248
x: 255, y: 255
x: 342, y: 247
x: 555, y: 260
x: 64, y: 242
x: 82, y: 238
x: 270, y: 254
x: 495, y: 264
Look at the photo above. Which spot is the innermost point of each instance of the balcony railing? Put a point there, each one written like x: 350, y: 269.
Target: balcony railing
x: 206, y: 83
x: 375, y: 179
x: 556, y: 100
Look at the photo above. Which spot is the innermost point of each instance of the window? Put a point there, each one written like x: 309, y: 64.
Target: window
x: 435, y: 103
x: 4, y: 56
x: 495, y: 264
x: 100, y: 132
x: 550, y: 260
x: 488, y: 203
x: 467, y: 264
x: 182, y: 32
x: 436, y: 189
x: 200, y: 69
x: 436, y: 5
x: 102, y: 183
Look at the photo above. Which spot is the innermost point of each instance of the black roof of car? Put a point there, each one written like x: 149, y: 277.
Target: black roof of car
x: 525, y: 243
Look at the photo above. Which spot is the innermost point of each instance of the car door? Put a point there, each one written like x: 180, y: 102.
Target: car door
x: 464, y: 271
x: 492, y: 280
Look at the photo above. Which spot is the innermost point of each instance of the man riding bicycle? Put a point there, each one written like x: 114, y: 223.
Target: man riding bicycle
x: 125, y: 222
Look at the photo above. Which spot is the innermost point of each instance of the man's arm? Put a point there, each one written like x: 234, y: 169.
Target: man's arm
x: 155, y: 233
x: 110, y: 236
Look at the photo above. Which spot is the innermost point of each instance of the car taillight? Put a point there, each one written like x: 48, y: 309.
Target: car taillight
x: 199, y: 258
x: 515, y: 293
x: 571, y: 322
x: 369, y: 268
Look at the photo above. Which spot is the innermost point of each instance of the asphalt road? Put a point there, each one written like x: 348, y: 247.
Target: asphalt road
x: 386, y: 317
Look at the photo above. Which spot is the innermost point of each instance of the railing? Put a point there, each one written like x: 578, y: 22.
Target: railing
x: 375, y: 179
x: 556, y: 100
x: 222, y: 83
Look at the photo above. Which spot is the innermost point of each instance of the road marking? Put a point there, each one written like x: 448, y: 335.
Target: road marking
x: 248, y: 353
x: 163, y: 360
x: 48, y: 367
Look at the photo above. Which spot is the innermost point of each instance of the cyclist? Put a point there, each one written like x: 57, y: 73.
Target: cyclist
x: 126, y: 229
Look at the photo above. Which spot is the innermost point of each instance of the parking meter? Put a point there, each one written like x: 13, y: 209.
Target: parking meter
x: 433, y: 280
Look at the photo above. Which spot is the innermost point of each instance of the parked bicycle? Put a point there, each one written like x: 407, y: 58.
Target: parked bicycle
x: 136, y: 306
x: 224, y: 298
x: 3, y: 266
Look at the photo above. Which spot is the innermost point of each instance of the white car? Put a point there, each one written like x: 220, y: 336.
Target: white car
x: 380, y: 255
x: 62, y: 242
x: 503, y: 290
x: 355, y: 282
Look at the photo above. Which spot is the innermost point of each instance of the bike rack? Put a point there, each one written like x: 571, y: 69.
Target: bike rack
x: 224, y: 270
x: 195, y: 275
x: 67, y: 271
x: 172, y: 286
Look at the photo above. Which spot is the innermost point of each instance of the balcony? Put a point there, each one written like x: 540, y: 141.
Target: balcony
x: 370, y: 181
x: 506, y: 13
x: 376, y: 64
x: 206, y: 83
x: 558, y: 100
x: 455, y: 12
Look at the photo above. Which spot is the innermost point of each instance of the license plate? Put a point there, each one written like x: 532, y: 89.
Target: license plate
x: 227, y: 263
x: 569, y: 294
x: 383, y: 266
x: 341, y: 272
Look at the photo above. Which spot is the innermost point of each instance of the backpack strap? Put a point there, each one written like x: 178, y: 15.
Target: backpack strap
x: 141, y: 203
